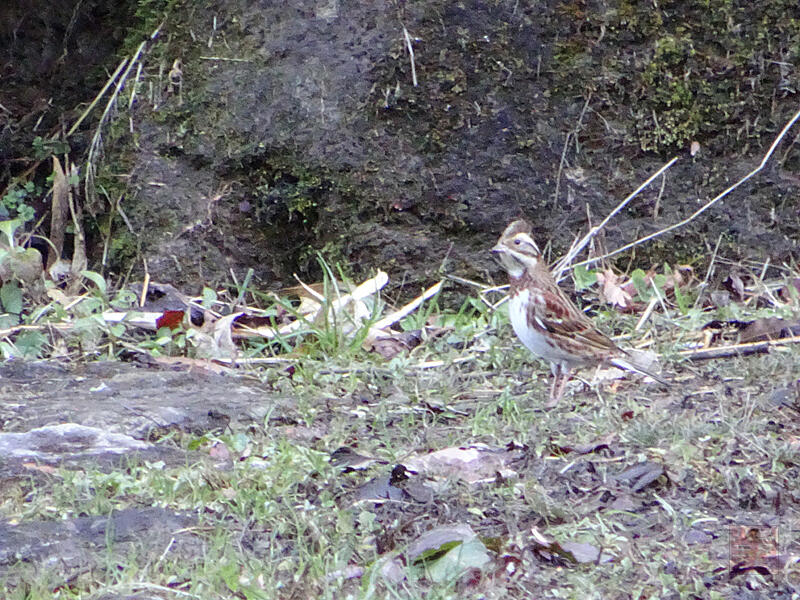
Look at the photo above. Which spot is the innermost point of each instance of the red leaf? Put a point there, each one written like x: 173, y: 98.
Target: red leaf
x: 171, y: 319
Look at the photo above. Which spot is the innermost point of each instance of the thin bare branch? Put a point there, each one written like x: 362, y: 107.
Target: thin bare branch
x: 707, y: 205
x: 564, y: 263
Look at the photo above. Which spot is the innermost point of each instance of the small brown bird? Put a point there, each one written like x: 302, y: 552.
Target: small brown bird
x: 545, y: 320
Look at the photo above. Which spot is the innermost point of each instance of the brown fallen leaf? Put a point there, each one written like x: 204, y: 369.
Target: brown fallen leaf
x: 611, y: 291
x: 397, y: 342
x: 219, y: 450
x: 170, y: 318
x: 641, y: 475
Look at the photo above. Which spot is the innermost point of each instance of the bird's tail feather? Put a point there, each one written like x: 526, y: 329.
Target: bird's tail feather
x: 631, y: 366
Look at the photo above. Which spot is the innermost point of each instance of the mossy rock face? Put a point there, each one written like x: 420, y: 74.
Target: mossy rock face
x: 298, y: 128
x: 705, y: 70
x: 20, y: 264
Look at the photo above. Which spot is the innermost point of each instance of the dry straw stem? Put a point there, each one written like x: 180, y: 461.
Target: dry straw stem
x: 94, y: 147
x: 392, y: 318
x: 98, y: 97
x: 411, y: 54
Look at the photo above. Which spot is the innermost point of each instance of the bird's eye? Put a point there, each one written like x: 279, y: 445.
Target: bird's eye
x: 517, y: 242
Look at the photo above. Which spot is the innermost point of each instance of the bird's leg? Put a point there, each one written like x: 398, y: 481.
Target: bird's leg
x: 561, y: 376
x: 553, y: 400
x: 555, y: 370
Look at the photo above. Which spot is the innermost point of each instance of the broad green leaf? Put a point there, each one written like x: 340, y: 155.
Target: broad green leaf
x: 8, y: 228
x: 209, y: 297
x: 583, y: 277
x: 8, y: 320
x: 98, y: 280
x: 640, y: 283
x: 659, y: 279
x: 11, y: 297
x: 30, y: 343
x: 680, y: 300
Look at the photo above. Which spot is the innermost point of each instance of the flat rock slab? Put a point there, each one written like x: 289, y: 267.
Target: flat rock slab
x: 55, y: 443
x: 62, y: 549
x: 106, y: 412
x: 137, y: 401
x: 103, y: 415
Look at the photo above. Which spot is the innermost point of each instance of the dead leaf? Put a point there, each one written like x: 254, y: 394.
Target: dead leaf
x: 43, y: 468
x: 214, y: 339
x: 426, y: 546
x: 641, y: 475
x: 610, y: 290
x: 385, y: 487
x: 396, y: 342
x: 624, y: 502
x: 574, y: 552
x: 59, y: 211
x: 170, y: 318
x: 735, y: 284
x: 219, y: 450
x: 474, y: 464
x: 79, y: 260
x: 585, y: 553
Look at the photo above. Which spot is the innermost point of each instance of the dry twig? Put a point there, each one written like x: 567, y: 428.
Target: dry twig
x: 707, y: 205
x: 737, y: 349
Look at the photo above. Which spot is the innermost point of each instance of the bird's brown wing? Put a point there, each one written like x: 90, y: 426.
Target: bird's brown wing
x: 569, y: 326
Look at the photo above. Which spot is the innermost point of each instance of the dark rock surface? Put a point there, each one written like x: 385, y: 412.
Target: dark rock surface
x: 71, y: 546
x: 107, y: 416
x: 136, y: 401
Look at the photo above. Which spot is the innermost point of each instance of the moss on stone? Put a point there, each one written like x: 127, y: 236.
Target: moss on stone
x: 677, y: 71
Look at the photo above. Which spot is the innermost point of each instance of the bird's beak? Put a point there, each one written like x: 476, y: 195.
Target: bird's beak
x: 497, y: 249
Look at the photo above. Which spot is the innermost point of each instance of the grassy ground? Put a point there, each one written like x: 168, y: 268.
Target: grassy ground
x: 625, y: 490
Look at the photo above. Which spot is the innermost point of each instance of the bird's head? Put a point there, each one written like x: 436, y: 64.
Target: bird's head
x: 516, y: 249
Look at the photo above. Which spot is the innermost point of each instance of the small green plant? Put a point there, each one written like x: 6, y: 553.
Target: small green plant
x: 15, y: 203
x: 43, y: 148
x: 583, y: 277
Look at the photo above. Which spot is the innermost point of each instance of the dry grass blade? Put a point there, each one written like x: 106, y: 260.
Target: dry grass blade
x: 392, y: 318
